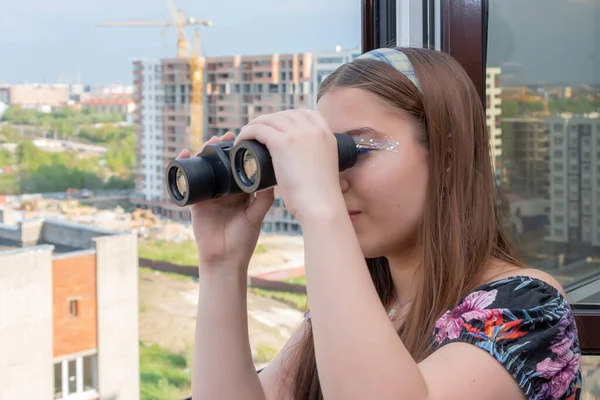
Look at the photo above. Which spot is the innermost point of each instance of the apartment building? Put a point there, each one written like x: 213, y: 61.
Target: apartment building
x: 575, y: 182
x: 327, y: 62
x: 525, y: 155
x: 493, y: 112
x: 148, y: 118
x: 240, y: 88
x: 36, y: 94
x: 109, y: 104
x: 162, y: 94
x: 243, y: 87
x: 236, y: 90
x: 69, y: 319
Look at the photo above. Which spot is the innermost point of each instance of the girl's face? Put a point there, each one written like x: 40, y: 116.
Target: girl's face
x: 385, y: 191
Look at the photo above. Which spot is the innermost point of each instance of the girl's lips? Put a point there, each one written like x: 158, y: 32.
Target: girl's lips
x: 353, y: 215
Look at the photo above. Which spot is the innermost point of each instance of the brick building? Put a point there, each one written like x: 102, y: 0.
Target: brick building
x: 68, y: 312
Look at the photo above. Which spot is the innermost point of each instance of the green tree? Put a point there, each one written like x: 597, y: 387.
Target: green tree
x: 510, y: 109
x: 6, y: 157
x: 19, y: 116
x: 7, y: 134
x: 117, y: 183
x: 30, y: 158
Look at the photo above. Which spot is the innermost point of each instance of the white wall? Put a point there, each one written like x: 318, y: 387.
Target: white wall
x: 152, y: 113
x: 117, y: 302
x: 26, y: 342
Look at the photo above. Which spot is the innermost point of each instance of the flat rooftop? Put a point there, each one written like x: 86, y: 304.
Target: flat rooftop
x: 65, y: 237
x: 58, y: 248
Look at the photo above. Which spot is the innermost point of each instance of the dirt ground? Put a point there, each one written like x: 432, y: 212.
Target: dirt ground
x: 282, y: 252
x: 168, y: 307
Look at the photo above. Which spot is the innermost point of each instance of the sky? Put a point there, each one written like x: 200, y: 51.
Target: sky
x: 49, y: 39
x: 557, y: 41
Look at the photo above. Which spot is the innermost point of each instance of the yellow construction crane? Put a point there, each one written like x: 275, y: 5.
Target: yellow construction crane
x: 184, y: 50
x: 197, y: 62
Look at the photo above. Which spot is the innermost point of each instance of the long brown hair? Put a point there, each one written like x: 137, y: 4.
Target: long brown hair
x: 461, y: 229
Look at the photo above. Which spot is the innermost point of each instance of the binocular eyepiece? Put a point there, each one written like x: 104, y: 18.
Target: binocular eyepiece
x: 221, y: 169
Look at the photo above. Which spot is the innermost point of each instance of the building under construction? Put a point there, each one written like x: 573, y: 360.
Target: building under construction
x: 183, y: 101
x: 163, y: 90
x: 175, y: 111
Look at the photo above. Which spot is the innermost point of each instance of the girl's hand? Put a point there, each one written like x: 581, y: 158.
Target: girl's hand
x: 305, y: 159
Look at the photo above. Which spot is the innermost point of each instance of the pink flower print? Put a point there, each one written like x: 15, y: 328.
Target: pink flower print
x: 561, y: 371
x: 472, y: 307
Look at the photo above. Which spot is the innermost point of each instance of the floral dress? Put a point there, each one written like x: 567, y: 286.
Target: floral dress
x: 525, y: 324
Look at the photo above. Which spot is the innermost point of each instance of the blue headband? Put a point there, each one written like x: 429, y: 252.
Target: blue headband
x: 395, y: 58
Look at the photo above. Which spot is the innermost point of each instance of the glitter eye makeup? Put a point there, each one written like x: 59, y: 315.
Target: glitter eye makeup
x: 365, y: 145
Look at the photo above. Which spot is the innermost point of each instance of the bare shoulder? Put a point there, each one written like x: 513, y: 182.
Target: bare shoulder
x: 536, y: 274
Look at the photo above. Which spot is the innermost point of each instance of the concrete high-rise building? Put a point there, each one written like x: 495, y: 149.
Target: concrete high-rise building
x: 148, y: 120
x: 237, y: 90
x: 525, y: 156
x: 493, y: 104
x: 240, y: 88
x: 69, y: 320
x: 575, y: 182
x: 327, y: 62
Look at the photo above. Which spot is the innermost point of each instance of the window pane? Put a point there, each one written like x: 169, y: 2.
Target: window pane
x: 72, y: 377
x: 543, y: 99
x: 590, y: 369
x: 89, y: 373
x: 58, y: 380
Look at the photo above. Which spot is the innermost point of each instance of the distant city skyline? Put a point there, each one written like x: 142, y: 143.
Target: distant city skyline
x: 555, y: 41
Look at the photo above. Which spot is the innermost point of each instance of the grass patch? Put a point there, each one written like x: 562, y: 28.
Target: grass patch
x: 9, y: 184
x: 299, y: 280
x: 260, y: 249
x: 180, y: 253
x: 163, y: 375
x: 179, y: 277
x: 265, y: 353
x: 296, y: 300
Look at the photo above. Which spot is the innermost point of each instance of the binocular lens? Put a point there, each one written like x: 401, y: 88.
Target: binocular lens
x: 250, y: 167
x: 181, y: 182
x: 177, y: 182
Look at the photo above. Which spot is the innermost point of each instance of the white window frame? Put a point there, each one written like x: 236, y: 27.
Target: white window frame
x: 64, y: 368
x: 409, y: 23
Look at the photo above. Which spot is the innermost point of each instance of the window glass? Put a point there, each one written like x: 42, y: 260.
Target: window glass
x: 590, y: 369
x: 543, y: 79
x: 89, y: 372
x: 72, y: 376
x: 58, y: 380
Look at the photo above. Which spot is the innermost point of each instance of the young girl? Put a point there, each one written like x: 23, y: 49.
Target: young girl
x: 415, y: 291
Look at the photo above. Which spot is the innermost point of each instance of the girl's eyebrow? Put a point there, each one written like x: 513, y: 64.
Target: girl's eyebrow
x: 365, y: 131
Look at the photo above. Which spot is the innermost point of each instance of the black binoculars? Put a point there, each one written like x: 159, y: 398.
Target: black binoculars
x: 221, y: 169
